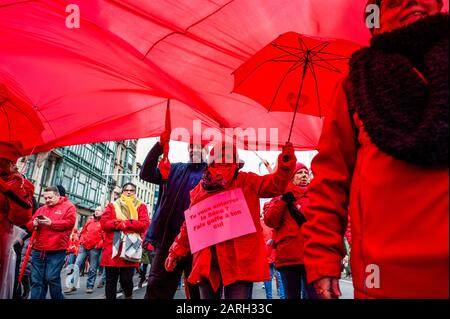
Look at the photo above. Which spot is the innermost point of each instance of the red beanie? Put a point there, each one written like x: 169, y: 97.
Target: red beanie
x: 298, y: 167
x: 11, y: 150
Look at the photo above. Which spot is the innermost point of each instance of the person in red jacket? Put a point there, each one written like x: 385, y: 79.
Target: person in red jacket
x: 285, y: 215
x: 74, y: 246
x: 124, y: 220
x: 383, y: 160
x: 16, y: 200
x: 53, y: 222
x: 90, y: 247
x: 236, y: 263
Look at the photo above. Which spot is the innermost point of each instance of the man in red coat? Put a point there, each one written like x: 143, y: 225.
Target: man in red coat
x: 236, y: 263
x: 54, y: 223
x: 126, y: 218
x: 16, y: 198
x: 383, y: 160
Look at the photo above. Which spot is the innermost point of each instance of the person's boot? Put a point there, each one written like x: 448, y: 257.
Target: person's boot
x: 129, y: 297
x: 70, y: 290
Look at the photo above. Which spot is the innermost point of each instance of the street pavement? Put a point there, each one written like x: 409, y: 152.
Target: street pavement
x: 258, y: 290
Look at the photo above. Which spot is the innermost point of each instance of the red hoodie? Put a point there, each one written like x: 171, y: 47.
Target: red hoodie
x: 56, y: 236
x: 91, y: 235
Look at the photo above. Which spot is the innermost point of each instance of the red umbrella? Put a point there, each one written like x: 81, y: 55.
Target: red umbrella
x: 27, y: 255
x: 164, y: 164
x: 295, y: 73
x: 18, y: 119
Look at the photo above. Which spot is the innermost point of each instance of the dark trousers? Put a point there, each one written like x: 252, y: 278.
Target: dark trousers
x: 163, y: 284
x: 237, y: 290
x: 294, y: 281
x: 125, y: 275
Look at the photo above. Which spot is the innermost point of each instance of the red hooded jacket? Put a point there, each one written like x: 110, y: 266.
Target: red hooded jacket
x: 56, y: 236
x: 74, y: 244
x: 243, y: 258
x: 91, y: 234
x: 399, y: 215
x: 288, y: 239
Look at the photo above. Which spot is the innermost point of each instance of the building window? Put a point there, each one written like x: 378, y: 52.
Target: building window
x: 93, y: 191
x: 81, y: 185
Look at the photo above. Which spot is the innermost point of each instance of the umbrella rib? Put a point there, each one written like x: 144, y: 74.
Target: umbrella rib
x: 313, y: 71
x: 257, y: 67
x: 281, y: 48
x: 291, y: 69
x: 337, y: 55
x: 330, y: 67
x: 321, y: 46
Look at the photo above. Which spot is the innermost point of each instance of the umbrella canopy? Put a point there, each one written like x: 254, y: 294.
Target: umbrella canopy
x: 295, y: 72
x: 110, y: 78
x: 18, y: 119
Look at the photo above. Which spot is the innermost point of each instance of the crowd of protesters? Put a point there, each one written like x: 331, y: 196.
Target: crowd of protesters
x: 377, y: 142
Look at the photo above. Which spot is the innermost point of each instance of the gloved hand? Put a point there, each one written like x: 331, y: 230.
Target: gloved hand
x: 164, y: 138
x: 288, y: 197
x: 288, y: 153
x: 171, y: 262
x: 287, y: 159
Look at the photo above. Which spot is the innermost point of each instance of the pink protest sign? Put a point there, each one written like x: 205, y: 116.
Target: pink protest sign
x: 218, y: 218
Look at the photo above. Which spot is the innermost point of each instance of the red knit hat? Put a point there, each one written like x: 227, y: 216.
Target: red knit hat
x: 298, y: 167
x: 11, y: 150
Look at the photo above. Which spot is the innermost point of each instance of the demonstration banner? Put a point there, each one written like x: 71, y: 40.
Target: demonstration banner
x: 218, y: 218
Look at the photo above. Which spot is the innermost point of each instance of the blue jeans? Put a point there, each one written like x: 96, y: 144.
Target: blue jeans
x: 46, y: 269
x: 268, y: 283
x: 280, y: 289
x: 94, y: 259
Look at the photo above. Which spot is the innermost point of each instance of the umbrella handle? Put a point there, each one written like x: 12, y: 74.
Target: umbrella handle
x: 27, y: 255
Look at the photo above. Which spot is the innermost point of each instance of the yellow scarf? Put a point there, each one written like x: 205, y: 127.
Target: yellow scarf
x: 126, y: 207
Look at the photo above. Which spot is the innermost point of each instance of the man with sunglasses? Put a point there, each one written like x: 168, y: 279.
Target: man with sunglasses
x: 383, y: 161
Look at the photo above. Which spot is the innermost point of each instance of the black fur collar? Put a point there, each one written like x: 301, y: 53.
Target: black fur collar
x: 404, y: 116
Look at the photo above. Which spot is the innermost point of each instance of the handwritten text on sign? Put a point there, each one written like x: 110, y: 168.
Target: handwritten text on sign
x: 218, y: 218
